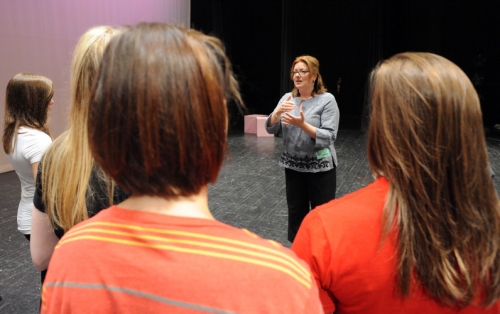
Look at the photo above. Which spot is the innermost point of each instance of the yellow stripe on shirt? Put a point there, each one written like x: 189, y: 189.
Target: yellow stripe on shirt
x: 306, y: 283
x: 189, y: 242
x: 304, y: 271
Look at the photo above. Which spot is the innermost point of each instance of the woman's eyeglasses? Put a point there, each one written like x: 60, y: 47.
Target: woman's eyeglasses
x: 300, y: 73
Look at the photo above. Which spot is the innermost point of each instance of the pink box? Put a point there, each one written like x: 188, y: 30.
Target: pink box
x: 251, y: 123
x: 254, y: 123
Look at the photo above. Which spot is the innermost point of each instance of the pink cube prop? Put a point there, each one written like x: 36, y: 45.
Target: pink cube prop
x: 251, y: 123
x: 254, y: 123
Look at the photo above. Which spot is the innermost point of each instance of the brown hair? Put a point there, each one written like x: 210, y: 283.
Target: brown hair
x: 27, y: 101
x: 158, y: 120
x: 313, y: 66
x: 426, y: 138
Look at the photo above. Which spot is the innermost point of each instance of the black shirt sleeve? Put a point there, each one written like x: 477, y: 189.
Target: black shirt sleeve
x: 97, y: 196
x: 37, y: 197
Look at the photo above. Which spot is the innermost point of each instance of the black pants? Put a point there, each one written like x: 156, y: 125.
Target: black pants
x: 305, y: 191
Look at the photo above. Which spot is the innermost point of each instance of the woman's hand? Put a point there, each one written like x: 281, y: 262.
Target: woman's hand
x: 300, y: 122
x: 284, y: 107
x: 297, y: 121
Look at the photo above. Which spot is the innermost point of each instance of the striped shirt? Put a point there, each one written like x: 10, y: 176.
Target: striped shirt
x: 123, y: 261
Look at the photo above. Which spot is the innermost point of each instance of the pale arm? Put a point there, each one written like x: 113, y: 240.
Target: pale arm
x: 273, y: 119
x: 34, y: 169
x: 42, y: 241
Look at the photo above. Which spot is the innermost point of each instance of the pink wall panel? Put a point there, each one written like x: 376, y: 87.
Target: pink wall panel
x: 39, y: 37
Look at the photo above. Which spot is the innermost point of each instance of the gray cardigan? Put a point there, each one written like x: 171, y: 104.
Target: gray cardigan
x: 300, y: 151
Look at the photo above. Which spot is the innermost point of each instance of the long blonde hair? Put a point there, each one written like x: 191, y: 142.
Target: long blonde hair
x: 68, y: 164
x: 426, y: 137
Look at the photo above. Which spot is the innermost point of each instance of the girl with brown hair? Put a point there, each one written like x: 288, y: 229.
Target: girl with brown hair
x: 26, y: 135
x: 425, y: 236
x: 158, y: 126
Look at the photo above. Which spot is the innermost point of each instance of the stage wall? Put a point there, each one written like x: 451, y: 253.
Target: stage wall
x: 40, y: 36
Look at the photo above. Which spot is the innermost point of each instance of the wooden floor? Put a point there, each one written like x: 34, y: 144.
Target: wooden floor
x: 250, y: 193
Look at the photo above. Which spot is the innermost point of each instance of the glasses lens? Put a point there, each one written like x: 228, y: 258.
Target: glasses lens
x: 300, y: 73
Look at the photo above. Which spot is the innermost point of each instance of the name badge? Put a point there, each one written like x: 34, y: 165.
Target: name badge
x: 325, y: 152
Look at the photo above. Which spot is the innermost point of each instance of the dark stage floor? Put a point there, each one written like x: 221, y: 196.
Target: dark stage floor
x: 250, y: 193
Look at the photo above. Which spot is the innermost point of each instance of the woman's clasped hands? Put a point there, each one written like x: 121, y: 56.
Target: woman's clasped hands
x: 287, y: 117
x: 283, y: 112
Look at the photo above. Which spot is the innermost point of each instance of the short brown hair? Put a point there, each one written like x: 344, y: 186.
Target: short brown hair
x: 158, y: 119
x: 426, y: 137
x: 313, y: 66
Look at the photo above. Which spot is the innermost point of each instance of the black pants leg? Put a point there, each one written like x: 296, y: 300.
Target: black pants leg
x: 297, y: 198
x: 322, y: 187
x: 305, y: 191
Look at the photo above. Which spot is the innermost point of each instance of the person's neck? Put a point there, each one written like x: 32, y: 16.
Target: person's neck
x: 304, y: 95
x: 194, y: 206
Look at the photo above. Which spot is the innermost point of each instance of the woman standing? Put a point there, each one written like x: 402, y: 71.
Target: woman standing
x: 309, y: 120
x: 425, y: 236
x: 70, y: 187
x: 26, y: 135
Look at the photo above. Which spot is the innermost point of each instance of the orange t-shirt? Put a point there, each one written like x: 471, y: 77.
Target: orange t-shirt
x: 340, y: 240
x: 123, y: 261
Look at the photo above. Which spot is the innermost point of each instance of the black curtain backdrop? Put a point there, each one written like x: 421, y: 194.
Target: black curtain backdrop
x: 349, y: 38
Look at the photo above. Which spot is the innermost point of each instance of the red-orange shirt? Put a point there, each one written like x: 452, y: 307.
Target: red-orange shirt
x: 123, y: 261
x: 340, y: 240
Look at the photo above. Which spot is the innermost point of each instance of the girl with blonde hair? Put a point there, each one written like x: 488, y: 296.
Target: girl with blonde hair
x: 71, y: 188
